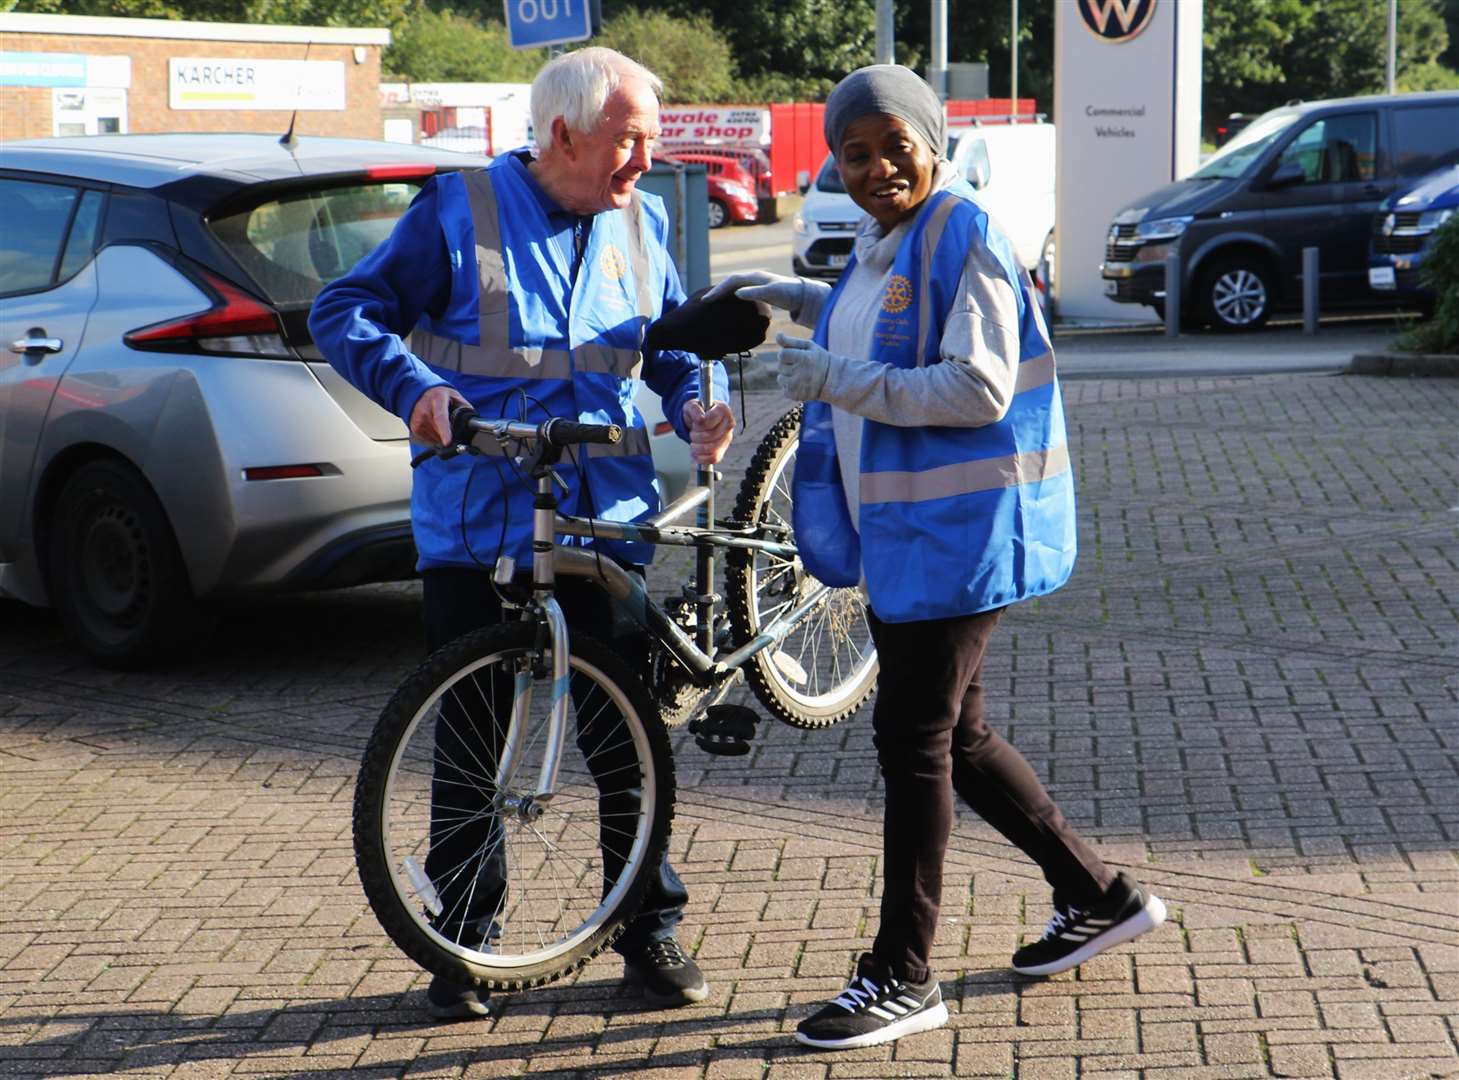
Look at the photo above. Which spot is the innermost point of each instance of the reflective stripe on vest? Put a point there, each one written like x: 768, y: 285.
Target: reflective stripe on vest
x: 968, y: 477
x: 494, y: 356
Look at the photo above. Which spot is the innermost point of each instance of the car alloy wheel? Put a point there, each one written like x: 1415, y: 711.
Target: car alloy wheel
x: 1238, y: 297
x: 718, y: 214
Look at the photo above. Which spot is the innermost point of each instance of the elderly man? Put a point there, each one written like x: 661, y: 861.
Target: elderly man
x: 528, y: 286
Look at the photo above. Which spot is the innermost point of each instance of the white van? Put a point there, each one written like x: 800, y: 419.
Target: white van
x: 1011, y: 167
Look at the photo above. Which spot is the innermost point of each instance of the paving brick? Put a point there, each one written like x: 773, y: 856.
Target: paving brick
x: 1245, y: 695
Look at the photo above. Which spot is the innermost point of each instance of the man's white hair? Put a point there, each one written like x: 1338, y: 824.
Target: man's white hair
x: 576, y: 86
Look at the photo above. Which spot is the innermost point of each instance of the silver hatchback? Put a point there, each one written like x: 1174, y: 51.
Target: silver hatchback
x: 168, y: 431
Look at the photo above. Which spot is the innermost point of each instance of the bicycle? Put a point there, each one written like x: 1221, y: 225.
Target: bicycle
x: 472, y: 798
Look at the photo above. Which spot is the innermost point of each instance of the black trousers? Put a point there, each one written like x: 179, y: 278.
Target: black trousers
x: 931, y: 740
x: 456, y: 602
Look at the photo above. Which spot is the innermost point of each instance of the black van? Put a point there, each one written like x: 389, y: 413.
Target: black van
x: 1306, y: 175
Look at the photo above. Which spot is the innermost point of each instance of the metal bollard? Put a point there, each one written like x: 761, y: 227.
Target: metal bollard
x: 1309, y: 290
x: 1172, y: 296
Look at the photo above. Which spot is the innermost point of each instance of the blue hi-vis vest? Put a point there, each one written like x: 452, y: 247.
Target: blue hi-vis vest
x: 522, y: 367
x: 953, y: 520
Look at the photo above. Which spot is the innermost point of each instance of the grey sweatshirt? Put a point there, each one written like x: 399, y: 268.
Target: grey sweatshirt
x: 979, y: 347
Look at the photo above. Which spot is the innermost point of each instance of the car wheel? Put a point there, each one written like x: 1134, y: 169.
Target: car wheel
x: 116, y: 574
x: 1236, y: 293
x: 718, y: 214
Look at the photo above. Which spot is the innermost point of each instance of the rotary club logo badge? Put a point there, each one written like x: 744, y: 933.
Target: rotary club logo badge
x: 612, y: 263
x: 898, y: 296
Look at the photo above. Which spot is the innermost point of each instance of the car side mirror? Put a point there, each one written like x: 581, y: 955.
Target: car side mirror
x: 1287, y: 174
x: 803, y: 181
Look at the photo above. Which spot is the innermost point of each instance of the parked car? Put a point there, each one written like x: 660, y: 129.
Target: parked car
x: 824, y: 226
x: 170, y: 432
x: 731, y: 188
x: 1307, y: 175
x: 1402, y: 229
x: 1011, y: 169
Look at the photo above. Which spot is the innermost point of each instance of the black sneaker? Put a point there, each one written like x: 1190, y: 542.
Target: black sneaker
x: 451, y: 1000
x: 874, y: 1009
x: 1075, y: 935
x: 666, y: 976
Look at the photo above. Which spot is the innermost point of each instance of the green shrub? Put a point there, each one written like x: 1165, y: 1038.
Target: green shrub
x: 1440, y: 272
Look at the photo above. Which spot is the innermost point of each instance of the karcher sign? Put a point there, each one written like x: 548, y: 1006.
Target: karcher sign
x: 240, y: 83
x: 1127, y: 104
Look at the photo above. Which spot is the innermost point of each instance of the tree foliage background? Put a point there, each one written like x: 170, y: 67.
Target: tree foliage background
x: 1258, y: 53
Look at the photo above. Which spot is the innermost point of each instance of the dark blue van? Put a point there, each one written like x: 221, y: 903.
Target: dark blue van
x: 1307, y: 175
x: 1402, y: 230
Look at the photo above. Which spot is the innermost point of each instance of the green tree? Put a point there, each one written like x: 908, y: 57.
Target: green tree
x: 386, y: 13
x: 1261, y: 53
x: 442, y: 46
x: 784, y: 49
x: 692, y: 58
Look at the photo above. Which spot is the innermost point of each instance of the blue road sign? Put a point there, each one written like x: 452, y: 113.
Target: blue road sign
x: 532, y: 24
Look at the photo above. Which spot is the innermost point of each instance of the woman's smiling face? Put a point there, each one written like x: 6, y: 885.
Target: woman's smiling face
x: 886, y: 166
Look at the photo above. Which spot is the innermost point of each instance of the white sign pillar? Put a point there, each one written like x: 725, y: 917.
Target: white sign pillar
x: 1127, y: 105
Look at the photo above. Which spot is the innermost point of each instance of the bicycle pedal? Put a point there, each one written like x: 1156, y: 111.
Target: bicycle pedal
x: 725, y: 730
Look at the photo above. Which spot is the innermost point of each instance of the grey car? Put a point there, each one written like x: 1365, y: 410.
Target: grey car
x: 169, y: 433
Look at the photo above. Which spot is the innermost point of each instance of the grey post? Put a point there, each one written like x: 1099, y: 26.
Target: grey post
x: 1172, y: 296
x: 1309, y: 290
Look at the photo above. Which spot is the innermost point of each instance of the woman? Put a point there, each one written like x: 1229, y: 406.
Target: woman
x: 933, y: 469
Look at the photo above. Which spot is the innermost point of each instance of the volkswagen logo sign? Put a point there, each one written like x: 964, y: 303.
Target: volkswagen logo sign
x: 1115, y: 21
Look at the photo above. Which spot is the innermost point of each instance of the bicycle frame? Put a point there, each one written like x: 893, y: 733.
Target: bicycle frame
x: 705, y: 667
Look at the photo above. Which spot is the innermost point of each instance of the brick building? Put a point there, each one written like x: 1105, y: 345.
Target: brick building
x: 79, y: 75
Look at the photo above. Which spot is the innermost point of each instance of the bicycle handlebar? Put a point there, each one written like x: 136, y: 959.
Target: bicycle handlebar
x: 466, y: 424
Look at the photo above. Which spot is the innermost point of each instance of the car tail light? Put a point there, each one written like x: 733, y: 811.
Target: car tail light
x: 236, y: 325
x: 663, y: 427
x: 399, y: 172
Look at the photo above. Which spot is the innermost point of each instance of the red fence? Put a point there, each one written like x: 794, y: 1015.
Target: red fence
x: 797, y: 145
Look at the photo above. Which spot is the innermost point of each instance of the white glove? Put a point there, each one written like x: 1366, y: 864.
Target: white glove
x: 804, y: 366
x: 777, y: 290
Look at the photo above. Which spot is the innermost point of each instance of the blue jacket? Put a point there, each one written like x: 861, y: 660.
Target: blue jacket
x: 535, y: 327
x: 953, y: 520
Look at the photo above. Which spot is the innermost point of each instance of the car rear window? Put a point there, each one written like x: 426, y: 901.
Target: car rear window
x: 294, y: 245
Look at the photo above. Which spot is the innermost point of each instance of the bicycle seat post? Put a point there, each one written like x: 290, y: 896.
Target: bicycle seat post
x: 704, y: 602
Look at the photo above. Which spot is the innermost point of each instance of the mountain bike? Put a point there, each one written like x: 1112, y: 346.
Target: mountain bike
x: 518, y: 789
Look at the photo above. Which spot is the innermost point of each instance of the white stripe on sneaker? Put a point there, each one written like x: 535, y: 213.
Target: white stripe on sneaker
x: 923, y: 1020
x: 1146, y: 919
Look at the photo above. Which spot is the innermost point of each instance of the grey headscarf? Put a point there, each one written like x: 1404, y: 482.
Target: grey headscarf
x: 891, y: 89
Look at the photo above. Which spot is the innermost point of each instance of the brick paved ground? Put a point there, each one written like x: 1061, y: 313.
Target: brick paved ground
x: 1249, y: 694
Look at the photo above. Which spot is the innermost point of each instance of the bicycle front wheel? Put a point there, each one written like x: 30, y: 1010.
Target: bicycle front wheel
x: 825, y: 669
x: 473, y: 875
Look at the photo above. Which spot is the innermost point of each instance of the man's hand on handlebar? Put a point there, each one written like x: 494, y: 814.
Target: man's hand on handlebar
x: 430, y: 420
x: 709, y: 432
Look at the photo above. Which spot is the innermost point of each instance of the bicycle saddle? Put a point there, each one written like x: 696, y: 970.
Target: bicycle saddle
x: 711, y: 330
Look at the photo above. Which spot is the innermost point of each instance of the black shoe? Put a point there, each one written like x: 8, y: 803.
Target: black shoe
x: 1075, y: 934
x: 667, y: 977
x: 874, y: 1009
x: 451, y: 1000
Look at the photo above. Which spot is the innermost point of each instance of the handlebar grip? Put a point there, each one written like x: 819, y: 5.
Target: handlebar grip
x: 567, y: 432
x: 461, y: 417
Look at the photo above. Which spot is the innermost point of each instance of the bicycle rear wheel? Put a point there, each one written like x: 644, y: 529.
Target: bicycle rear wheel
x: 826, y: 667
x: 497, y: 887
